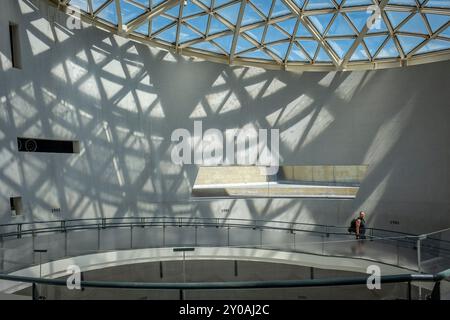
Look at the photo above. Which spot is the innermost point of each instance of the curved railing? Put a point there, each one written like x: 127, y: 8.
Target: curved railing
x: 325, y: 282
x: 19, y: 241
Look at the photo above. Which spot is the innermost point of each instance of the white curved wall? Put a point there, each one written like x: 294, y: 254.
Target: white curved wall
x: 58, y: 268
x: 122, y: 100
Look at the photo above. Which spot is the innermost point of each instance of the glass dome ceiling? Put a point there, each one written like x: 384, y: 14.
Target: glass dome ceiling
x: 286, y: 34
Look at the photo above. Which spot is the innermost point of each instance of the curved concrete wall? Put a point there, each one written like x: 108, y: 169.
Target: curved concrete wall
x: 122, y: 100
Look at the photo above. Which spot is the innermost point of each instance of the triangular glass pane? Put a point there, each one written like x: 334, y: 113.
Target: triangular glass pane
x: 374, y: 43
x: 160, y: 22
x: 388, y: 51
x: 319, y: 4
x: 174, y: 11
x: 340, y: 27
x: 408, y: 43
x: 225, y: 42
x: 352, y: 3
x: 299, y: 3
x: 403, y: 2
x: 321, y: 21
x: 250, y: 16
x: 129, y: 11
x: 207, y: 46
x: 168, y: 35
x: 437, y: 20
x: 80, y: 4
x: 230, y: 13
x: 218, y: 3
x: 187, y: 34
x: 206, y: 3
x: 143, y: 2
x: 396, y: 17
x: 200, y: 23
x: 263, y: 6
x: 359, y: 18
x: 155, y: 2
x: 415, y: 25
x: 288, y: 25
x: 216, y: 26
x: 323, y: 56
x: 360, y: 54
x: 190, y: 9
x: 257, y: 54
x: 303, y: 32
x: 280, y: 49
x: 143, y: 29
x: 279, y: 9
x: 310, y: 47
x: 438, y: 4
x: 434, y: 45
x: 243, y: 45
x: 297, y: 55
x: 95, y: 4
x: 340, y: 46
x: 109, y: 13
x: 445, y: 33
x: 273, y: 34
x: 256, y: 33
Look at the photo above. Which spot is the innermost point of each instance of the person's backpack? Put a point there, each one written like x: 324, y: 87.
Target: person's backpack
x: 352, y: 227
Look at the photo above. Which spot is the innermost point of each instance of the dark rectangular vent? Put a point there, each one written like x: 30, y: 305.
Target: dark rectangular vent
x: 14, y: 40
x: 45, y: 145
x: 16, y: 205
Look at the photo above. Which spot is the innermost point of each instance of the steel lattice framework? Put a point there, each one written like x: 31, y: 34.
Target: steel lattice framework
x: 282, y: 34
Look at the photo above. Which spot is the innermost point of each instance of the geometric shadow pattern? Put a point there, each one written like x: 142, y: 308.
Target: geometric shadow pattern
x: 282, y: 34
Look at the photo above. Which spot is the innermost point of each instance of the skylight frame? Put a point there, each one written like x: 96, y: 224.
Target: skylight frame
x: 302, y: 18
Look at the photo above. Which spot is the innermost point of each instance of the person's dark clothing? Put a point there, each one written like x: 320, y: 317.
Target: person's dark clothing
x: 362, y: 228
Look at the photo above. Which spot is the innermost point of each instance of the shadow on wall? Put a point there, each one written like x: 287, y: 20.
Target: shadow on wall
x: 123, y: 100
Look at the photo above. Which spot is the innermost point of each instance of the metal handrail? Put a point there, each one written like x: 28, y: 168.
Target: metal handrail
x: 438, y: 248
x: 236, y: 284
x: 260, y: 223
x: 66, y: 225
